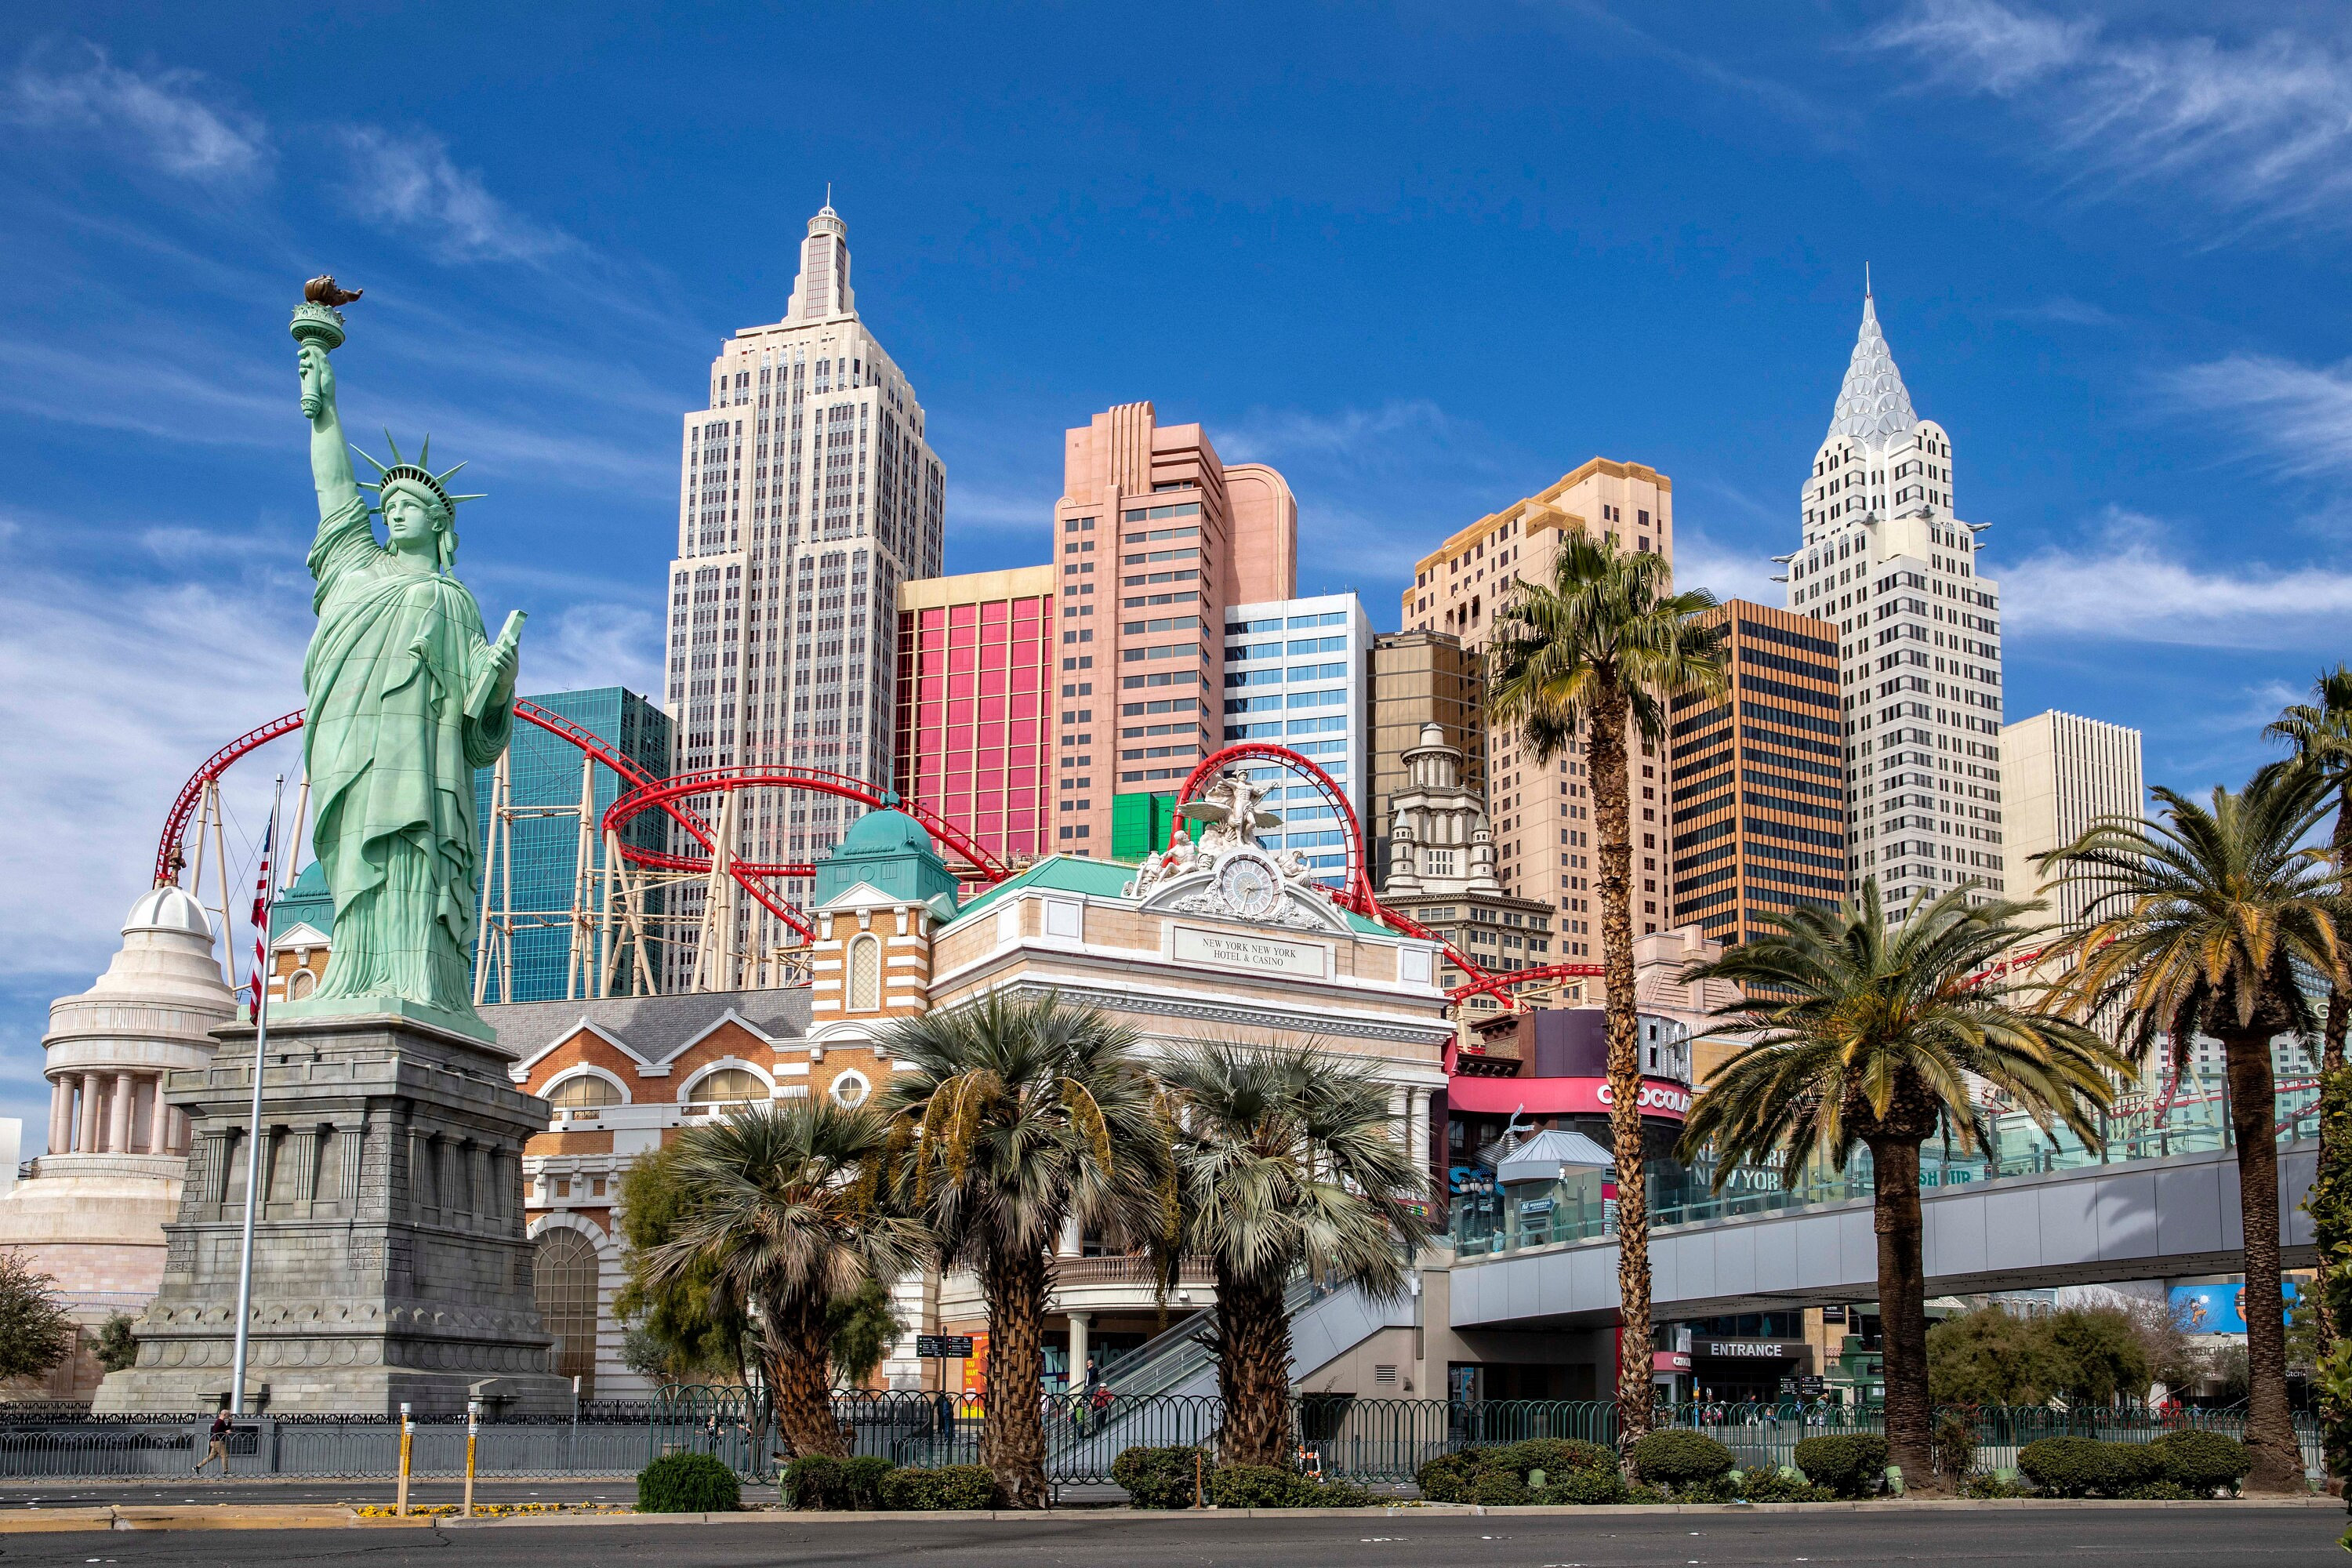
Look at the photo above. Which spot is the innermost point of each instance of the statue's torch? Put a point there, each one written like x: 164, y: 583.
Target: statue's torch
x: 316, y: 321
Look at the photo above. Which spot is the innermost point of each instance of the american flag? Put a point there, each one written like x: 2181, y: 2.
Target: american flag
x: 261, y: 916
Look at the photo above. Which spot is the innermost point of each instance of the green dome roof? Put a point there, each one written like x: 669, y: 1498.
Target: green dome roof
x: 884, y: 833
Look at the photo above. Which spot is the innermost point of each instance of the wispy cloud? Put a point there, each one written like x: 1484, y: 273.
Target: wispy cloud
x: 2131, y: 587
x: 2298, y: 415
x: 2262, y: 129
x: 1379, y: 436
x: 1729, y: 571
x: 408, y: 181
x: 595, y: 644
x: 996, y: 510
x: 164, y: 119
x: 2066, y: 312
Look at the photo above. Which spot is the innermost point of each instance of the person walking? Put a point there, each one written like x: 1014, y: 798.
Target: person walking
x: 216, y: 1444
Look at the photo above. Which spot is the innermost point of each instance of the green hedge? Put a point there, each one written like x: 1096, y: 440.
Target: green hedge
x: 1677, y: 1458
x: 688, y: 1483
x: 1161, y: 1477
x: 1572, y: 1472
x: 950, y: 1487
x: 2178, y: 1464
x: 1270, y: 1485
x: 1849, y: 1464
x: 1767, y: 1485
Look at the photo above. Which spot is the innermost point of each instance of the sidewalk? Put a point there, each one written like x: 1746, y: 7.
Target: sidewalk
x: 306, y: 1516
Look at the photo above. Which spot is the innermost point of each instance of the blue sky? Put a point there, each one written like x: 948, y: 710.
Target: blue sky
x: 1424, y: 259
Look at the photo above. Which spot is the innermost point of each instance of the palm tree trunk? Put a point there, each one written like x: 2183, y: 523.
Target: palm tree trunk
x: 1903, y: 1306
x: 1012, y: 1436
x: 2270, y: 1430
x: 1604, y: 750
x: 1253, y: 1370
x: 2331, y: 1056
x: 799, y: 1374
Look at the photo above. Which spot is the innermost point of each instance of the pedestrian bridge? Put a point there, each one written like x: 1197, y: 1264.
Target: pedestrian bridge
x: 2151, y: 1217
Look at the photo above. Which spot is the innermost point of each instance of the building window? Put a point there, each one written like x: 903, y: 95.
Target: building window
x: 728, y: 1086
x: 864, y: 974
x: 563, y: 1276
x: 850, y: 1089
x: 582, y: 1090
x: 301, y: 983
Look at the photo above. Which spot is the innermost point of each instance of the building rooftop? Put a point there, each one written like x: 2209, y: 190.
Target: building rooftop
x: 1104, y: 879
x: 655, y: 1027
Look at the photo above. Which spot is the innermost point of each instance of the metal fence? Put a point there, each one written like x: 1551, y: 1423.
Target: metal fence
x: 1369, y: 1441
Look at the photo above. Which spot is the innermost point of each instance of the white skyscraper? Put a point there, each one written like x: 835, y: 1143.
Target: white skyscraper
x: 2062, y: 774
x: 806, y: 494
x: 1919, y: 634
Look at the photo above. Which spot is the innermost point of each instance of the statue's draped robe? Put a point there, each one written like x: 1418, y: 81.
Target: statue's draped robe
x: 391, y: 752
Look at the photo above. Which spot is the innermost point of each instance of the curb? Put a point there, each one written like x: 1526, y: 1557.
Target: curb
x: 31, y: 1521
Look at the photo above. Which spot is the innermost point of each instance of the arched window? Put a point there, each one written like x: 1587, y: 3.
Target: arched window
x: 563, y: 1279
x: 301, y: 983
x: 866, y: 974
x: 728, y: 1086
x: 582, y: 1090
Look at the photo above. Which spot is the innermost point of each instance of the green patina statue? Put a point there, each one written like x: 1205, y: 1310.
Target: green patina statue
x: 407, y: 697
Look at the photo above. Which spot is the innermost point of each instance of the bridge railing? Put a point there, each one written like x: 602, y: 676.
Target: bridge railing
x: 1485, y: 1223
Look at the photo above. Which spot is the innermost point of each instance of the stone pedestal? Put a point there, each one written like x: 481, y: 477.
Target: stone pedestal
x: 390, y: 1263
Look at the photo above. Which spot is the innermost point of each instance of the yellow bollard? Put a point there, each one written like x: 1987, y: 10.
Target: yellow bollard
x: 407, y: 1429
x: 473, y: 1430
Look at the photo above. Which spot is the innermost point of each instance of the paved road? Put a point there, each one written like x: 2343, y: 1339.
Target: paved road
x: 14, y: 1495
x: 2164, y: 1538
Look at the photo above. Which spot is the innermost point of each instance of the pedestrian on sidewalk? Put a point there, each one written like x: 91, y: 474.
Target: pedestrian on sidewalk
x: 216, y: 1444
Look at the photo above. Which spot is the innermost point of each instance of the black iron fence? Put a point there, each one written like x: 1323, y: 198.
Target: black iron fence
x: 1371, y: 1441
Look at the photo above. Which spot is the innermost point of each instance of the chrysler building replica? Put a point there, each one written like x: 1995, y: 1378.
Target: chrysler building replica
x: 806, y: 494
x: 1886, y: 559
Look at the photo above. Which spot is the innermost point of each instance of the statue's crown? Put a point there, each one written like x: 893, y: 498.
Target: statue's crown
x: 417, y: 473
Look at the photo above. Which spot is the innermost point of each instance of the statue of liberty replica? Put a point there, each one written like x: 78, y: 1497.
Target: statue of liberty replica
x: 389, y: 1260
x: 406, y: 699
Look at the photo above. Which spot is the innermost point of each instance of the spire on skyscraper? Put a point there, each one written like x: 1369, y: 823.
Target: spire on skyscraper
x: 1874, y: 404
x: 822, y: 289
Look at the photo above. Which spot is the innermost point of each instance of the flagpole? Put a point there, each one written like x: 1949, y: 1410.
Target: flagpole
x: 253, y: 1176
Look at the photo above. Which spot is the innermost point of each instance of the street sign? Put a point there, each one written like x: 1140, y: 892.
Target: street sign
x: 942, y: 1345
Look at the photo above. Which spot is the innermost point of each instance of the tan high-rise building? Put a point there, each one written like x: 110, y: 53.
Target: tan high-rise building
x: 806, y: 494
x: 1420, y: 679
x: 2060, y: 773
x: 1543, y: 818
x: 1759, y: 824
x: 1888, y: 562
x: 1154, y: 537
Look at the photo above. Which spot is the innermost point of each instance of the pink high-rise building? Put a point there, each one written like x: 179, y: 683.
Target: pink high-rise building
x: 975, y: 704
x: 1154, y: 536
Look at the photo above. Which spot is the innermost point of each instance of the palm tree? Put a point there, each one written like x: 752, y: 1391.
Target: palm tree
x: 1288, y: 1161
x: 2196, y: 922
x: 1599, y: 650
x: 2320, y: 731
x: 1016, y: 1117
x: 784, y: 1207
x: 1869, y: 1036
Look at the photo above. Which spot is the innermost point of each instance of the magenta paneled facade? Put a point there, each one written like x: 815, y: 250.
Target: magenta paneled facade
x: 974, y: 720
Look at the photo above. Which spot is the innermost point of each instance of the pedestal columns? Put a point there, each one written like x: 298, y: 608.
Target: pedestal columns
x: 117, y: 1121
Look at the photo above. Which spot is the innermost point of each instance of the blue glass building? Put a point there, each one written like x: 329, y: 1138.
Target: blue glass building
x: 544, y: 772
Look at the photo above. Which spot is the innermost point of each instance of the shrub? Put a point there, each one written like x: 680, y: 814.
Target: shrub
x: 968, y: 1486
x: 1990, y: 1488
x: 2160, y: 1491
x: 1254, y: 1486
x: 1447, y: 1479
x: 1766, y: 1485
x: 1676, y: 1458
x: 1312, y: 1493
x: 861, y: 1480
x: 1720, y: 1488
x: 688, y: 1483
x: 1555, y: 1456
x: 1956, y: 1447
x: 811, y: 1481
x: 1158, y: 1478
x: 1584, y: 1487
x: 1645, y: 1494
x: 2201, y: 1461
x: 1847, y: 1463
x: 1493, y: 1486
x: 2085, y: 1466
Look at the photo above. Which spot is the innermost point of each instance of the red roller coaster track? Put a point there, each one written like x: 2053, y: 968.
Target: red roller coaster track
x: 670, y: 797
